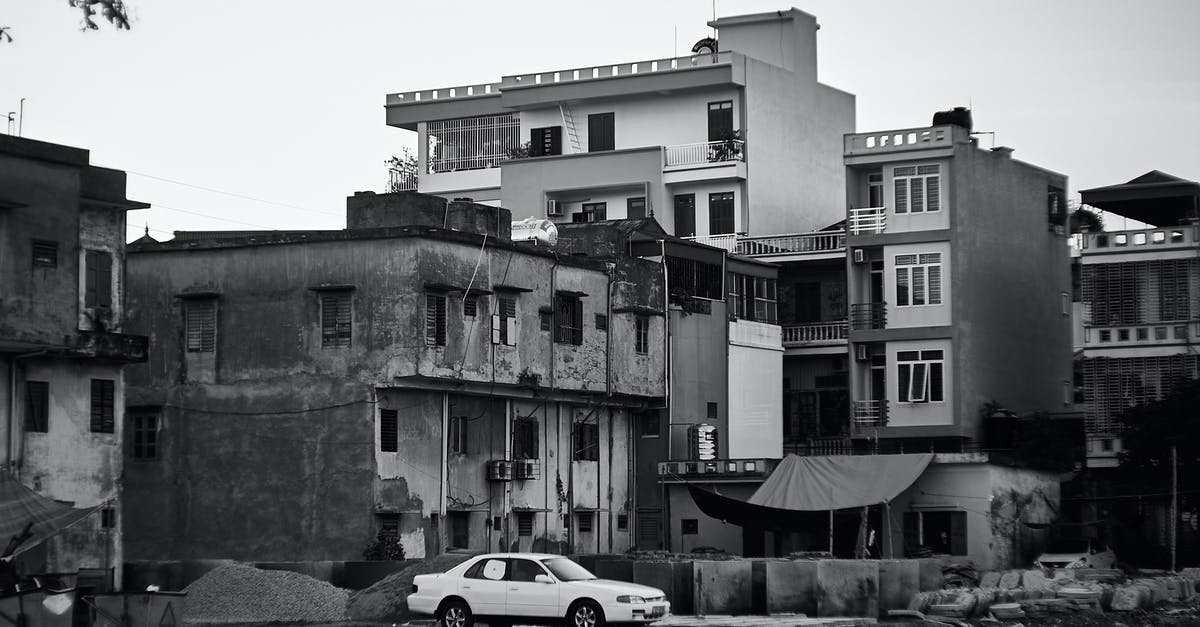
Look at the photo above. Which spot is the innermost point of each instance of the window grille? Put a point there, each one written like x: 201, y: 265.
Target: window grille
x: 200, y: 324
x: 389, y: 430
x: 695, y: 278
x: 472, y: 143
x: 568, y: 328
x: 525, y: 438
x: 1112, y: 385
x: 587, y: 441
x: 525, y: 524
x: 335, y: 319
x: 585, y: 521
x: 102, y: 405
x: 435, y: 319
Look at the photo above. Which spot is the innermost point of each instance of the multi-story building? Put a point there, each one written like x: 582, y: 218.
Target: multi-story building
x: 62, y: 342
x: 418, y: 376
x: 1140, y: 302
x: 743, y: 139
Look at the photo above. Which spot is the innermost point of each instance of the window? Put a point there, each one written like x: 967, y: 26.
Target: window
x: 651, y: 424
x: 585, y: 521
x: 546, y: 320
x: 920, y: 376
x: 471, y: 143
x: 720, y: 120
x: 587, y: 442
x: 641, y: 334
x: 492, y: 569
x: 545, y: 141
x: 720, y: 213
x: 144, y: 434
x: 525, y: 570
x: 685, y: 215
x: 457, y: 438
x: 918, y: 279
x: 918, y: 188
x: 875, y: 189
x: 649, y: 530
x: 98, y: 284
x: 601, y: 132
x: 470, y: 306
x: 622, y: 522
x: 200, y: 324
x: 102, y: 405
x: 435, y: 319
x: 504, y: 321
x: 525, y: 438
x: 697, y: 279
x: 591, y: 212
x: 635, y: 208
x: 37, y: 406
x: 1123, y: 335
x: 335, y: 319
x: 1106, y: 444
x: 1143, y: 334
x: 1160, y: 333
x: 389, y: 430
x: 711, y: 410
x: 389, y: 525
x: 689, y: 526
x: 525, y: 524
x: 568, y: 311
x: 108, y: 518
x: 943, y: 532
x: 45, y: 253
x: 1105, y: 335
x: 601, y: 322
x: 754, y: 298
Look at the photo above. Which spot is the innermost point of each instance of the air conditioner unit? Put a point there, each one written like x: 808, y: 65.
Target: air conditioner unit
x: 499, y: 470
x: 860, y: 255
x: 554, y: 209
x: 861, y: 353
x: 528, y: 469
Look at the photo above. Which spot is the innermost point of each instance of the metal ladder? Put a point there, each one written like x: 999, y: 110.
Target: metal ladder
x: 569, y: 126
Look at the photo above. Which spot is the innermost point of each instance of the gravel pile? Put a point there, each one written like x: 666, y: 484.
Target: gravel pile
x: 386, y: 600
x: 236, y: 593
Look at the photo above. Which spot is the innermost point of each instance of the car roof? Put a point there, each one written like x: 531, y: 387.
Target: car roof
x: 533, y: 556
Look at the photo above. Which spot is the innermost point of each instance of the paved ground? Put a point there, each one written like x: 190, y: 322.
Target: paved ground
x: 776, y: 620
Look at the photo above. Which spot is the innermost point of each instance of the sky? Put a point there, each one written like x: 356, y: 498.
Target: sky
x: 266, y: 114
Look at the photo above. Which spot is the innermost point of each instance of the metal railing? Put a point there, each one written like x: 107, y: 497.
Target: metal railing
x: 402, y: 181
x: 815, y: 333
x: 705, y: 152
x: 819, y: 446
x: 869, y: 413
x: 865, y: 316
x: 866, y: 220
x: 816, y: 242
x: 619, y: 69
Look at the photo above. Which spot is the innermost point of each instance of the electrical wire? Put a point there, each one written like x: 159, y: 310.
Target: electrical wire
x: 226, y: 193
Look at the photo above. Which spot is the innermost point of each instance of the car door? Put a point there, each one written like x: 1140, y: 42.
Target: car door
x: 484, y: 586
x: 526, y: 595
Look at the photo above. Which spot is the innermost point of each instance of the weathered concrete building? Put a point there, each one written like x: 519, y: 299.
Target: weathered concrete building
x: 417, y: 374
x: 62, y: 340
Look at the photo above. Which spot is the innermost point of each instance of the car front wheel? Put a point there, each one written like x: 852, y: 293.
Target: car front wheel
x: 456, y: 613
x: 585, y: 614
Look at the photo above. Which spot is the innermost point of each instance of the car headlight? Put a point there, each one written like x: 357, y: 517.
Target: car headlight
x: 630, y: 598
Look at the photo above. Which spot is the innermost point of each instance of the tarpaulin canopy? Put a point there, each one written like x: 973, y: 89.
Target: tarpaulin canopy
x: 26, y: 513
x: 800, y: 486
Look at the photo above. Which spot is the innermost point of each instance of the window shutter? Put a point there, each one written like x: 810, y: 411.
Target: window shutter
x: 918, y: 285
x: 496, y: 329
x: 389, y: 430
x: 435, y: 320
x: 90, y: 279
x: 200, y: 322
x: 102, y: 406
x: 935, y: 285
x: 934, y: 193
x: 901, y: 195
x: 510, y: 330
x: 577, y: 323
x: 917, y: 194
x: 104, y: 287
x: 901, y: 287
x: 537, y: 140
x: 553, y: 142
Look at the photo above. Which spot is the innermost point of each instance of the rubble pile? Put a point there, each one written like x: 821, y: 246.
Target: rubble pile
x: 1016, y: 595
x: 387, y: 598
x: 237, y: 593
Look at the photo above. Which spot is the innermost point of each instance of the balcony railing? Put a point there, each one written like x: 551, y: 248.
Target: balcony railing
x: 869, y: 413
x: 772, y: 245
x: 705, y: 153
x: 864, y: 316
x: 621, y: 69
x: 402, y: 181
x: 753, y: 469
x: 727, y: 241
x: 867, y: 220
x: 815, y: 333
x: 899, y: 140
x: 817, y: 447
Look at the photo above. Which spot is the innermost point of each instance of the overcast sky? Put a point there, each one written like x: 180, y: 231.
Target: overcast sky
x: 280, y: 104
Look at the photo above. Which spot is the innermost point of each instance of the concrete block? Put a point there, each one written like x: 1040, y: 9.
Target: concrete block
x: 1010, y: 580
x: 1064, y: 573
x: 684, y: 593
x: 659, y: 575
x: 990, y: 579
x: 1033, y: 580
x: 1126, y: 599
x: 792, y: 587
x: 722, y: 587
x: 848, y: 588
x: 899, y: 580
x: 931, y: 574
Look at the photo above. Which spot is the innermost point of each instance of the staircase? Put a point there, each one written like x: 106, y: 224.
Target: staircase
x: 569, y: 127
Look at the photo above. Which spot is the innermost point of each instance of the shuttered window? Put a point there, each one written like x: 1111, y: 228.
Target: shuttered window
x: 649, y: 530
x: 435, y: 319
x: 144, y: 435
x: 37, y: 406
x: 200, y: 324
x: 918, y: 189
x: 102, y: 405
x: 504, y: 321
x: 45, y: 253
x: 568, y: 312
x: 525, y: 524
x: 525, y: 439
x: 641, y: 334
x: 335, y: 319
x: 545, y: 141
x: 720, y: 213
x: 918, y: 279
x: 98, y: 280
x: 601, y: 132
x: 389, y: 430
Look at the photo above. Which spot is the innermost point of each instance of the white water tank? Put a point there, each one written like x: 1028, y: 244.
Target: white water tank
x: 535, y: 230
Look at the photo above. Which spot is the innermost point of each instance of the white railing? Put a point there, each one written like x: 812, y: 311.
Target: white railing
x: 620, y: 69
x: 816, y: 242
x: 868, y: 220
x: 727, y: 241
x: 472, y: 143
x: 903, y: 139
x: 815, y: 333
x: 705, y: 152
x: 443, y: 93
x: 872, y: 413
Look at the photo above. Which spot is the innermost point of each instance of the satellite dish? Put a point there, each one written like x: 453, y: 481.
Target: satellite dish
x: 708, y: 45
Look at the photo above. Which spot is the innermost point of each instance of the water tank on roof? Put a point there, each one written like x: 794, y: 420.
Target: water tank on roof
x: 958, y: 116
x: 535, y: 230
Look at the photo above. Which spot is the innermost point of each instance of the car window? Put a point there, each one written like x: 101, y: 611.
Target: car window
x: 494, y: 569
x: 566, y: 570
x: 525, y: 570
x: 474, y: 571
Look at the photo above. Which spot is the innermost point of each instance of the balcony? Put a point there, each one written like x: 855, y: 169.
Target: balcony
x: 814, y: 334
x: 867, y: 220
x: 869, y: 414
x: 818, y: 447
x: 716, y: 469
x: 867, y: 316
x: 942, y: 136
x: 704, y: 153
x: 119, y: 347
x: 822, y: 243
x: 401, y: 181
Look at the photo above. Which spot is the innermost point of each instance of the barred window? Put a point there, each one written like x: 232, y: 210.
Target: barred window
x: 470, y: 305
x: 435, y: 319
x: 918, y: 188
x: 103, y: 393
x: 335, y: 319
x: 200, y: 324
x: 389, y: 430
x: 1140, y: 292
x: 695, y: 278
x: 568, y: 311
x: 587, y: 441
x: 472, y: 143
x: 525, y: 439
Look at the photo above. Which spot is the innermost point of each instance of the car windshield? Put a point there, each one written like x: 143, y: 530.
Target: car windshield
x: 566, y: 570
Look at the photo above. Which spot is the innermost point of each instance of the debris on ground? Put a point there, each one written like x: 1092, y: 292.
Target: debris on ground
x: 238, y: 593
x: 387, y: 598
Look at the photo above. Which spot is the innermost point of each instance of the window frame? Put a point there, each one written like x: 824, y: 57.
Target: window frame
x: 435, y: 318
x: 931, y: 366
x: 504, y: 321
x: 723, y: 223
x: 144, y: 430
x: 585, y: 442
x: 389, y: 422
x: 98, y: 279
x: 337, y: 318
x: 200, y: 325
x: 919, y: 278
x: 456, y: 438
x: 602, y: 131
x: 912, y: 177
x: 525, y: 434
x: 591, y: 212
x: 635, y: 204
x: 641, y: 334
x: 568, y: 319
x: 103, y: 406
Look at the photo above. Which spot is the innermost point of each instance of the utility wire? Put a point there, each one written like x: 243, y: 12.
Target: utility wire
x: 233, y: 194
x: 205, y: 215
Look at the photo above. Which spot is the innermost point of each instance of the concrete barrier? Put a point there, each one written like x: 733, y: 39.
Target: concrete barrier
x: 899, y: 580
x: 848, y: 588
x: 614, y: 568
x: 722, y: 587
x: 659, y: 575
x: 791, y: 586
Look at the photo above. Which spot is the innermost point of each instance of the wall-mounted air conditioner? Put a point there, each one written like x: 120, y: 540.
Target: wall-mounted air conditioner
x: 528, y: 469
x: 499, y: 470
x: 554, y: 208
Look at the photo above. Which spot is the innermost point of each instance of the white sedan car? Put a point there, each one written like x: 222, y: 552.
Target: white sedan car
x: 507, y: 588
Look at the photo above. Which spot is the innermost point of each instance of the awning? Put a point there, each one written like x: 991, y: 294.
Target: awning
x: 800, y: 486
x: 30, y: 517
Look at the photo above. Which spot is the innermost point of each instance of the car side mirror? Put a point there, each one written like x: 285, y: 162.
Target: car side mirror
x: 543, y: 579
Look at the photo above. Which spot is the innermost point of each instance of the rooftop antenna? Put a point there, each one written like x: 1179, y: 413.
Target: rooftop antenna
x: 21, y: 119
x: 11, y: 117
x: 675, y: 50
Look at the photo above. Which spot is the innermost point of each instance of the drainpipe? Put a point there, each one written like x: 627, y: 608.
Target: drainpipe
x: 608, y: 309
x: 666, y: 502
x: 445, y: 466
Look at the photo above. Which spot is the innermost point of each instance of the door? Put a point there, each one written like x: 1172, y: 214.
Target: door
x: 685, y: 215
x: 720, y: 213
x: 526, y: 596
x: 720, y: 120
x: 484, y: 586
x: 601, y: 132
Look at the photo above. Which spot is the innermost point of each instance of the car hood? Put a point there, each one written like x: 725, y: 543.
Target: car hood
x: 1061, y: 557
x: 598, y: 586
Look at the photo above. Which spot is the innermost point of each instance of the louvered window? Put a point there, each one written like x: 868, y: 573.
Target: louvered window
x: 525, y: 524
x: 389, y: 430
x: 435, y: 319
x: 102, y: 405
x: 601, y: 322
x: 504, y: 321
x: 918, y: 279
x: 98, y: 281
x: 335, y: 319
x: 37, y: 406
x: 1112, y: 385
x: 1140, y: 292
x: 920, y: 376
x: 45, y: 253
x: 918, y: 189
x: 200, y: 324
